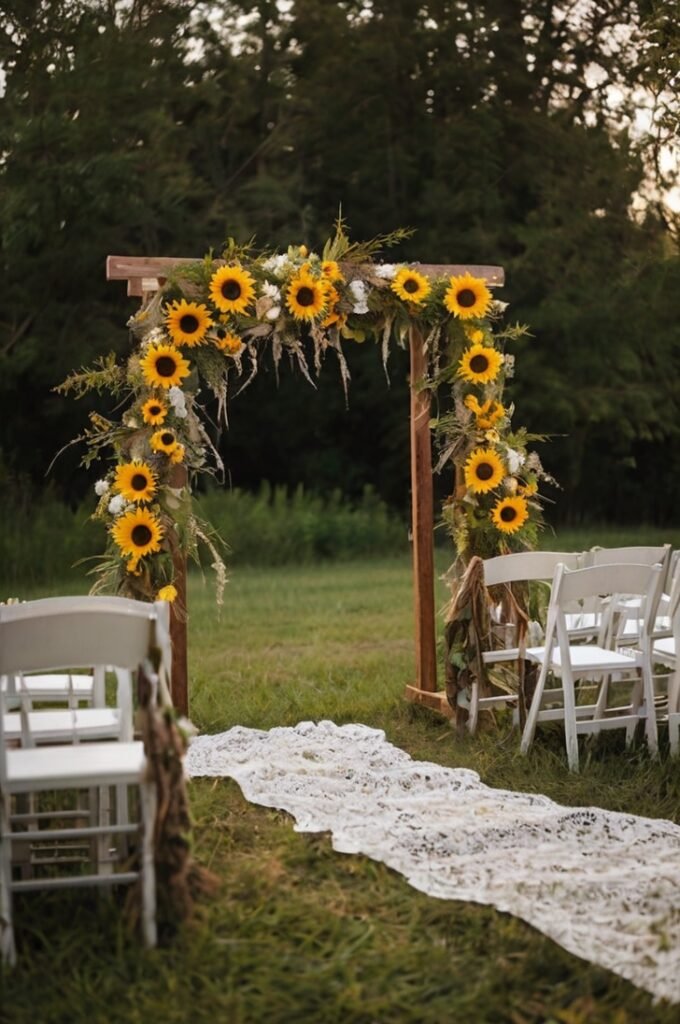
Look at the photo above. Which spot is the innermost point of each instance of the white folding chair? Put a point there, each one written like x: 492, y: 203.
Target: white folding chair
x: 595, y: 661
x: 627, y: 621
x: 83, y: 632
x: 518, y: 568
x: 665, y: 647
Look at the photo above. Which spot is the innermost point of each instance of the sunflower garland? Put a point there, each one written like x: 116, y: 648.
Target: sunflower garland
x: 226, y: 311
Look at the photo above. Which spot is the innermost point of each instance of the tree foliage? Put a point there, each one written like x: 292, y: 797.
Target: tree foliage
x: 507, y: 132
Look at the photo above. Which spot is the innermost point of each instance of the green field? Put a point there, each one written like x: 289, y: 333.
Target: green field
x: 297, y: 932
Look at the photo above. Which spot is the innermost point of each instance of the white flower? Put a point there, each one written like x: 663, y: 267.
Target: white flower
x: 273, y: 313
x: 509, y: 366
x: 360, y: 294
x: 117, y: 505
x: 386, y: 271
x: 515, y: 460
x: 101, y: 487
x: 277, y: 265
x: 178, y: 402
x: 271, y: 291
x: 155, y: 335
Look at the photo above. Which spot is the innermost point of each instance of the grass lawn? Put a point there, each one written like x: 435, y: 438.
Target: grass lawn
x: 299, y: 934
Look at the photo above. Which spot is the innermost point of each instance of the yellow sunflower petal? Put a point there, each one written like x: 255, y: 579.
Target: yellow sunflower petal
x: 164, y: 366
x: 480, y: 364
x: 306, y: 297
x: 187, y: 322
x: 168, y: 593
x: 135, y: 481
x: 484, y: 470
x: 154, y: 411
x: 411, y: 286
x: 232, y: 289
x: 510, y: 514
x: 164, y: 441
x: 137, y: 533
x: 467, y: 297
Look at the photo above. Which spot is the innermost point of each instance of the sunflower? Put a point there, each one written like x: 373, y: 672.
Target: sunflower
x: 331, y: 270
x: 411, y: 286
x: 510, y: 514
x: 135, y: 481
x: 187, y: 322
x: 475, y: 335
x: 487, y: 414
x: 467, y: 297
x: 306, y: 297
x: 228, y: 342
x: 137, y: 533
x: 168, y: 593
x: 232, y: 289
x: 177, y: 454
x: 164, y: 441
x: 163, y: 366
x: 484, y: 470
x: 480, y: 364
x: 154, y: 411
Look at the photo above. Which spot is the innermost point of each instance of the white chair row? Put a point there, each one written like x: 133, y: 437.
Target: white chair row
x: 584, y: 621
x: 89, y: 751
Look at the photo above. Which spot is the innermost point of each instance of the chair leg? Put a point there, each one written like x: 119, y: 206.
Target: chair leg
x: 148, y: 871
x: 473, y: 713
x: 535, y: 707
x: 651, y: 729
x: 570, y: 732
x: 8, y: 953
x: 674, y: 733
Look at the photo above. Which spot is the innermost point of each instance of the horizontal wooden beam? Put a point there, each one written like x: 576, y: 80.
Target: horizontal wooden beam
x: 146, y: 273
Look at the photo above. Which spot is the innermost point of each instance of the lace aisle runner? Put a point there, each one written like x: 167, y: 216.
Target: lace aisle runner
x: 606, y: 886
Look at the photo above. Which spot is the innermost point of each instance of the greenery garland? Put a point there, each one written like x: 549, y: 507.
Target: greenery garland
x: 211, y: 322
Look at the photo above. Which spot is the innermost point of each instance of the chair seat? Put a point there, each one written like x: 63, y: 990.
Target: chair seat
x: 88, y: 764
x: 587, y: 658
x: 665, y: 647
x: 65, y: 726
x: 54, y: 685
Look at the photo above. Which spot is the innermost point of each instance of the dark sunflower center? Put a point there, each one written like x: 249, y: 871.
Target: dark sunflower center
x: 305, y: 296
x: 479, y: 364
x: 154, y: 410
x: 231, y: 289
x: 139, y: 482
x: 508, y: 514
x: 484, y: 471
x: 167, y: 437
x: 166, y: 366
x: 466, y: 298
x: 188, y: 324
x: 411, y: 285
x: 141, y: 535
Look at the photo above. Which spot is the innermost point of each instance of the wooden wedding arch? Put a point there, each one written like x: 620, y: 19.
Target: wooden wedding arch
x: 144, y: 276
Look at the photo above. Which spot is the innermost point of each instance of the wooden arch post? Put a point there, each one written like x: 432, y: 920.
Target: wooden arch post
x: 145, y: 275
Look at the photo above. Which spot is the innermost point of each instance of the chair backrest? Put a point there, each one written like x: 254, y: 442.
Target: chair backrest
x: 640, y: 555
x: 82, y: 632
x: 527, y: 565
x: 600, y: 581
x: 77, y: 632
